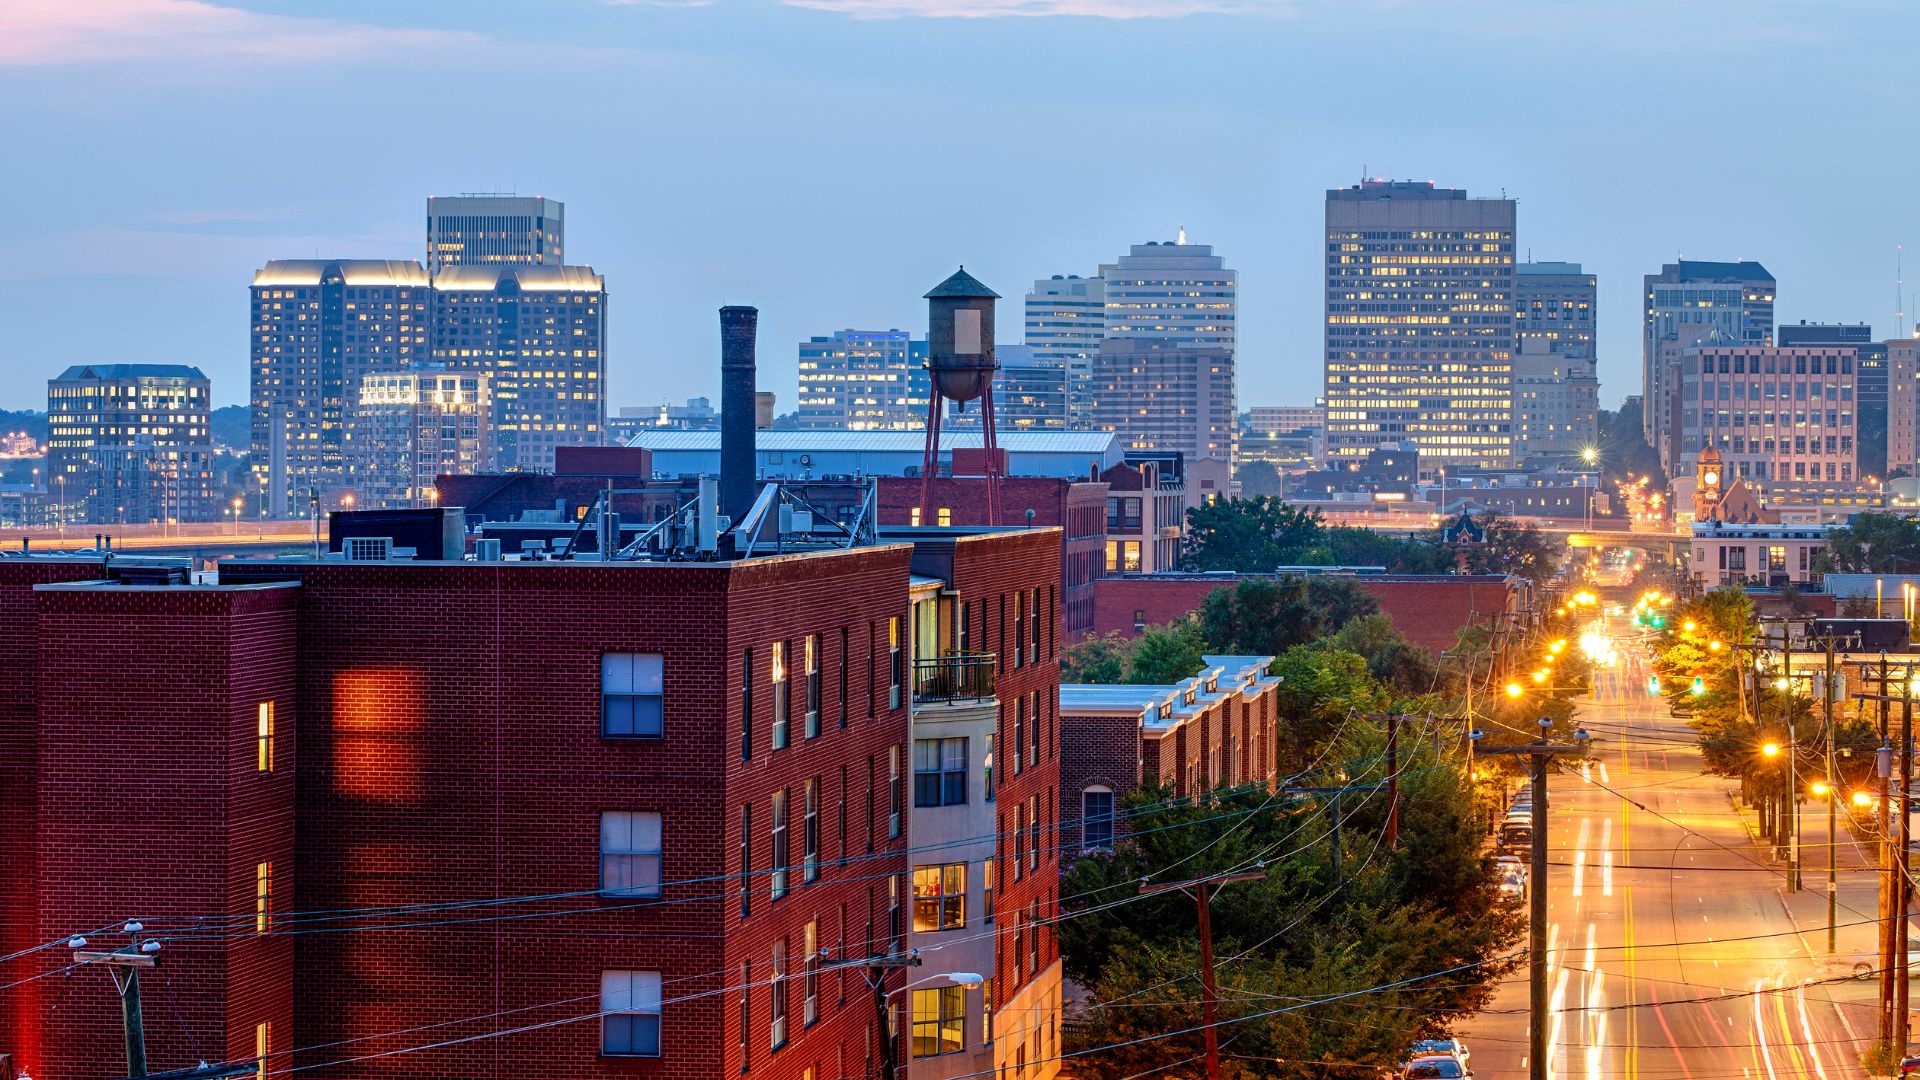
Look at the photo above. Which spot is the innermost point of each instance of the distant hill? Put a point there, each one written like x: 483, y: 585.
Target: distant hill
x: 33, y: 423
x: 232, y: 427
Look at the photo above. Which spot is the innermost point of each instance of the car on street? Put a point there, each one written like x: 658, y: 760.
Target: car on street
x: 1434, y: 1067
x: 1448, y: 1046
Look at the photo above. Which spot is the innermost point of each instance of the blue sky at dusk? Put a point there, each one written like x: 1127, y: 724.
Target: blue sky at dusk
x: 830, y: 160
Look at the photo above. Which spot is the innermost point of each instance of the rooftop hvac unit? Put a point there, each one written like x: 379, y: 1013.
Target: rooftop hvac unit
x: 486, y: 550
x: 366, y: 548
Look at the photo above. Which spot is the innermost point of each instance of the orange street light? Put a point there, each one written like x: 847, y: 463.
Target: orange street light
x: 1819, y: 788
x: 1862, y: 798
x: 1771, y: 749
x: 1513, y: 689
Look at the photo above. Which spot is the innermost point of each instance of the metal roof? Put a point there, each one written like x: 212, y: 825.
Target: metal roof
x: 130, y: 371
x: 529, y: 278
x: 355, y: 272
x: 962, y: 285
x: 1096, y: 443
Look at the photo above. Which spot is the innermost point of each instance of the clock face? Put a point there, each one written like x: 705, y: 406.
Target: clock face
x: 1712, y: 477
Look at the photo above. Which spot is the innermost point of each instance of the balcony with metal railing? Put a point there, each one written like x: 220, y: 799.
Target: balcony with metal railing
x: 956, y: 678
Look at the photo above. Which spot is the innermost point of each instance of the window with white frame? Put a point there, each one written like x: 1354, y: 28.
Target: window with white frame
x: 939, y: 772
x: 629, y: 853
x: 630, y: 1013
x: 780, y: 701
x: 630, y: 695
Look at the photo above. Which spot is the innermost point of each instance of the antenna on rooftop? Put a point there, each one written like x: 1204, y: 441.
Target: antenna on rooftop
x: 1899, y: 291
x: 1183, y: 235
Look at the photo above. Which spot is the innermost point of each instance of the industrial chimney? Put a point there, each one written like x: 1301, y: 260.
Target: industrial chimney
x: 738, y: 328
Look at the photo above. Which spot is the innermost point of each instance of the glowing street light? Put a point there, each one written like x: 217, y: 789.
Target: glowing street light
x: 1862, y: 798
x: 1819, y: 789
x: 1514, y: 690
x: 1771, y: 749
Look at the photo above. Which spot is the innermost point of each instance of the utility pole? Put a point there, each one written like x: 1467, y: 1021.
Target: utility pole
x: 1540, y: 752
x: 1833, y: 792
x: 126, y: 965
x: 875, y: 969
x: 1902, y: 884
x: 1393, y: 781
x: 1202, y: 890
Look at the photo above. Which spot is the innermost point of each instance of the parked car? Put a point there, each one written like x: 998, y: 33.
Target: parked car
x: 1434, y: 1067
x: 1449, y: 1046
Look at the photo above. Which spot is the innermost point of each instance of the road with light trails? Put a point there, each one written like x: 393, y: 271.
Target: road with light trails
x: 1653, y: 910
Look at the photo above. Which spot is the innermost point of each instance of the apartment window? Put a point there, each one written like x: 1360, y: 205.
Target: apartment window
x: 913, y: 517
x: 265, y: 736
x: 630, y: 695
x: 1033, y: 938
x: 939, y: 897
x: 779, y: 844
x: 810, y: 981
x: 1019, y: 613
x: 944, y: 515
x: 810, y: 833
x: 986, y: 1010
x: 1033, y: 829
x: 939, y: 1021
x: 894, y: 785
x: 262, y: 896
x: 987, y: 767
x: 896, y: 663
x: 1019, y: 841
x: 262, y: 1041
x: 986, y: 890
x: 939, y: 772
x: 1033, y: 709
x: 779, y: 694
x: 1019, y: 730
x: 778, y: 986
x: 813, y: 686
x: 843, y: 676
x: 1096, y: 817
x: 630, y: 1013
x: 896, y: 924
x: 746, y: 1016
x: 629, y: 853
x: 746, y: 859
x: 964, y: 631
x: 746, y: 705
x: 1033, y: 627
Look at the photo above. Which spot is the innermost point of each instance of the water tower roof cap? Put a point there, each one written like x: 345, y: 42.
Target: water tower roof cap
x: 962, y: 285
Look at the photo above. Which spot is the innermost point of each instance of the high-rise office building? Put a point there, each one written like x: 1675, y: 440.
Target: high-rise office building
x: 1181, y: 295
x: 486, y: 230
x: 1029, y: 394
x: 409, y: 427
x: 863, y: 380
x: 1690, y: 301
x: 1420, y: 322
x: 1162, y: 394
x: 539, y: 334
x: 1903, y: 405
x: 1780, y: 417
x: 130, y: 443
x: 1556, y: 382
x: 1066, y: 319
x: 319, y: 326
x: 1870, y: 376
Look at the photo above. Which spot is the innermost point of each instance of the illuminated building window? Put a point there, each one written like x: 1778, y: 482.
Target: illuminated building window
x: 262, y: 896
x: 630, y: 1013
x: 629, y: 853
x: 630, y: 695
x: 265, y: 736
x: 262, y: 1040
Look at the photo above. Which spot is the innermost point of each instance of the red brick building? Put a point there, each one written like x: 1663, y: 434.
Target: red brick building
x: 1430, y: 610
x: 401, y: 819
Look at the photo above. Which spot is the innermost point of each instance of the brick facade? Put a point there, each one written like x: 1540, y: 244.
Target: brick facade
x: 1430, y: 610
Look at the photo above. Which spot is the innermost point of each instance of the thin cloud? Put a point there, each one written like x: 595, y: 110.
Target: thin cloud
x: 1000, y: 9
x: 44, y: 33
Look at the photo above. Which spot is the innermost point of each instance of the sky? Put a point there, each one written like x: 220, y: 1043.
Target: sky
x: 830, y: 160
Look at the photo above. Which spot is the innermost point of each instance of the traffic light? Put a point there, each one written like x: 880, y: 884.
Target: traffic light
x: 1653, y: 686
x: 1699, y: 686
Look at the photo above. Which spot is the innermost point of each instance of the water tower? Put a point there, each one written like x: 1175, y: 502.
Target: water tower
x: 961, y: 365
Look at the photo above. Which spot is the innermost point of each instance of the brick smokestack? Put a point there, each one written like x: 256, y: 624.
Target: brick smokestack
x: 738, y: 328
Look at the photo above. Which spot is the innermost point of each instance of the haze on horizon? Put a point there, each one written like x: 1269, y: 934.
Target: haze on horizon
x: 829, y: 160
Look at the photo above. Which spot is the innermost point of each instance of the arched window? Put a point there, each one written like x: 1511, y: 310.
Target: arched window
x: 1096, y: 817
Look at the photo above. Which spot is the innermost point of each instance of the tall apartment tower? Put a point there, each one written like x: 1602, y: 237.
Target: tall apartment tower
x: 1689, y: 302
x: 1066, y: 319
x: 539, y: 334
x: 1870, y: 377
x: 130, y: 443
x: 1184, y: 299
x: 320, y: 326
x: 1161, y: 394
x: 863, y: 380
x: 1556, y: 381
x: 1903, y: 404
x: 1420, y: 322
x: 410, y: 427
x: 488, y: 230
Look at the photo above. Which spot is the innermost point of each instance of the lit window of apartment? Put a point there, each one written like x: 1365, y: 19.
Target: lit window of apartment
x: 262, y: 896
x: 777, y: 985
x: 813, y: 686
x: 262, y: 1045
x: 630, y: 695
x: 810, y: 975
x: 896, y: 663
x: 939, y: 1021
x: 939, y: 897
x: 779, y: 676
x: 779, y: 844
x: 629, y: 853
x: 895, y: 784
x: 630, y: 1013
x: 264, y: 736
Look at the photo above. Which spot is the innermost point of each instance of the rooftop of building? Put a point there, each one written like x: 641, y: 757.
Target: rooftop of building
x: 961, y: 285
x: 1096, y: 443
x: 530, y: 278
x: 355, y: 272
x: 113, y: 372
x: 1161, y: 707
x: 1703, y: 270
x: 1548, y: 269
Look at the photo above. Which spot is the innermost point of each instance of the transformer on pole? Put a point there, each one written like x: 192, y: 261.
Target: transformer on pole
x: 961, y: 366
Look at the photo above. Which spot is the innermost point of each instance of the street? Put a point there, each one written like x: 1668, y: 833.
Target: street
x: 1675, y: 952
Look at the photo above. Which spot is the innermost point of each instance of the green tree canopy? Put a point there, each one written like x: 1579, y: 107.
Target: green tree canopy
x: 1874, y: 543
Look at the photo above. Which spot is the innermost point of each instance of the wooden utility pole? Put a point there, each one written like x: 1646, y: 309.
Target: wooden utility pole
x: 1202, y: 893
x: 1540, y: 752
x: 875, y: 969
x: 1393, y: 781
x: 1896, y: 888
x: 126, y: 965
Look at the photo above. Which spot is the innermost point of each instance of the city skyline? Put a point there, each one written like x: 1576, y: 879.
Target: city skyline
x: 170, y: 253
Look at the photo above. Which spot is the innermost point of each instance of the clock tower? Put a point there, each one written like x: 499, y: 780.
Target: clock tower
x: 1709, y: 476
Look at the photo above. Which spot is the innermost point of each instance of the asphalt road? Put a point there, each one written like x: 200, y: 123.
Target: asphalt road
x: 1674, y: 950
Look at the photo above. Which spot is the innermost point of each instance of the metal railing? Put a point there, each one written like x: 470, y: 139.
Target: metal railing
x: 954, y: 677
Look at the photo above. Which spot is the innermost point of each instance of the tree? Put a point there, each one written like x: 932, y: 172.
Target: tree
x: 1267, y: 616
x: 1101, y: 659
x: 1246, y: 534
x: 1514, y: 548
x: 1167, y: 654
x: 1392, y: 660
x: 1260, y: 478
x: 1623, y: 448
x: 1874, y: 543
